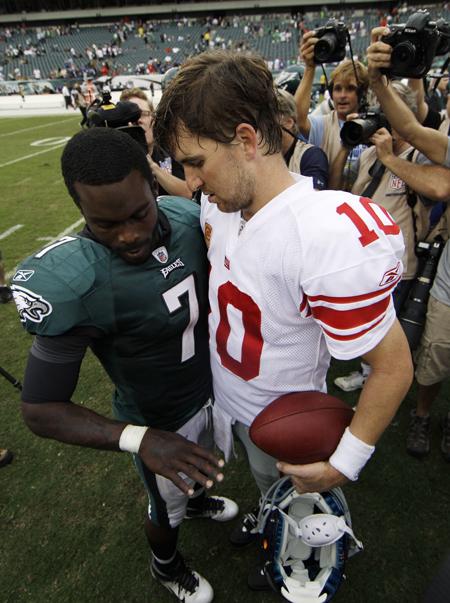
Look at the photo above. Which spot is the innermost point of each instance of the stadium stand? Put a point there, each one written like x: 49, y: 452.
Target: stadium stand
x: 62, y: 51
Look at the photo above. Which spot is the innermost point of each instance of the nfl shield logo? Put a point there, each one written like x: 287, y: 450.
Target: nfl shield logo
x: 161, y: 255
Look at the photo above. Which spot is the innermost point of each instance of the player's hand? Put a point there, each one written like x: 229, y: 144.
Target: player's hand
x: 306, y: 49
x: 383, y: 144
x: 378, y: 54
x: 169, y: 454
x: 315, y: 477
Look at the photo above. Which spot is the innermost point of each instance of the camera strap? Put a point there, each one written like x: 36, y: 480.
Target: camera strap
x: 377, y: 170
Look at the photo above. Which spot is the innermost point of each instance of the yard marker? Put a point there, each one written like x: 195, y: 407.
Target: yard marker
x: 31, y: 155
x: 5, y: 234
x: 22, y: 181
x: 53, y: 123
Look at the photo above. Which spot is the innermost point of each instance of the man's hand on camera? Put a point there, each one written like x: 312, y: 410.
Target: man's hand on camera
x: 307, y: 48
x: 378, y: 54
x: 173, y: 456
x: 383, y: 144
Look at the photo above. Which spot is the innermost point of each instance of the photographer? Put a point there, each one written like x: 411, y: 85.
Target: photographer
x: 300, y: 157
x: 348, y: 85
x: 432, y: 359
x: 168, y: 173
x: 386, y: 175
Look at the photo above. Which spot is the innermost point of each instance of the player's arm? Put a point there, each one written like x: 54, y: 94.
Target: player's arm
x: 431, y: 181
x: 384, y: 390
x: 50, y: 380
x: 430, y: 142
x: 172, y: 184
x: 303, y: 93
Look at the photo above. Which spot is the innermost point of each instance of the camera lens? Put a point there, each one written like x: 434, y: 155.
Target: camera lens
x: 403, y: 55
x: 351, y: 133
x: 325, y: 47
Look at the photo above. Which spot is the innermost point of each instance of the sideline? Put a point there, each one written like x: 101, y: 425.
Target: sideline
x: 52, y: 123
x: 65, y: 232
x: 32, y: 155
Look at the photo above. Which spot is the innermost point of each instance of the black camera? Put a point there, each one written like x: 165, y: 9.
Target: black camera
x: 444, y: 37
x: 106, y: 114
x: 330, y: 48
x: 415, y: 44
x: 358, y: 131
x: 412, y: 315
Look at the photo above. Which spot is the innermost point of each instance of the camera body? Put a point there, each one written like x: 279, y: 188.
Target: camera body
x: 122, y: 116
x: 412, y: 315
x: 444, y: 37
x: 415, y: 44
x: 332, y: 41
x: 358, y: 131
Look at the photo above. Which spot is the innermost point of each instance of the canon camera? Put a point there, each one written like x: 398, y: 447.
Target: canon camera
x: 415, y: 44
x: 330, y: 47
x: 358, y: 131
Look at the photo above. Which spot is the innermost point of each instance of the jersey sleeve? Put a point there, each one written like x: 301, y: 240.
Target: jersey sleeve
x: 357, y: 264
x: 52, y: 289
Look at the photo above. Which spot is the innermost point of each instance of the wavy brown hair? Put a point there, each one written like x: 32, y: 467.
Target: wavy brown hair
x: 212, y: 94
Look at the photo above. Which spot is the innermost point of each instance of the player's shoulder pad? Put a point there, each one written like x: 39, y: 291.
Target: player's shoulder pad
x: 180, y: 209
x: 60, y: 273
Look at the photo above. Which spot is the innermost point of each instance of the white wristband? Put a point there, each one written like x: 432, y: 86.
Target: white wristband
x: 351, y: 455
x: 131, y: 438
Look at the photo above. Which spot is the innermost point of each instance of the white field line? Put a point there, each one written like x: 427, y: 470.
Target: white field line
x: 5, y: 234
x: 66, y: 231
x: 32, y: 155
x: 22, y: 181
x: 52, y: 123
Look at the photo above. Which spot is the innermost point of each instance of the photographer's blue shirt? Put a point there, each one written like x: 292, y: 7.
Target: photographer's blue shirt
x: 316, y: 137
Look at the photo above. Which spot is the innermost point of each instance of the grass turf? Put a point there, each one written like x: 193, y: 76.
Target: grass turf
x: 71, y: 518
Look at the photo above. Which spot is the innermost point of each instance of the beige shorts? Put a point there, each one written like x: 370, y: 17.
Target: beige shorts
x: 433, y: 355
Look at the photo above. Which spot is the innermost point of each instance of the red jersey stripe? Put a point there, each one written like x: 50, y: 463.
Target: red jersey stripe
x: 349, y: 319
x: 354, y: 335
x: 355, y: 298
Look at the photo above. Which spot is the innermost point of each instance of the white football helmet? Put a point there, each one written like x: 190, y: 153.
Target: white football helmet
x: 306, y: 539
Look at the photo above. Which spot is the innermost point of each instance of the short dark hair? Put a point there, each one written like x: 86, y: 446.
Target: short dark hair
x: 102, y: 156
x: 212, y: 94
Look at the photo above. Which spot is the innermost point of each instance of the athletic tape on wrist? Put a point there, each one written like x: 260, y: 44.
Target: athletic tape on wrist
x: 351, y: 455
x: 131, y: 438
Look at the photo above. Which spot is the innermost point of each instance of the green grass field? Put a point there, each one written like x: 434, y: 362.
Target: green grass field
x: 71, y: 518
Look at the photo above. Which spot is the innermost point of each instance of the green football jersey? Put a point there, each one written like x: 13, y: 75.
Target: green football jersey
x: 153, y: 316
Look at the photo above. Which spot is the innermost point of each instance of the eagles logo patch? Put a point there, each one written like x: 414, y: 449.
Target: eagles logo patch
x: 30, y: 305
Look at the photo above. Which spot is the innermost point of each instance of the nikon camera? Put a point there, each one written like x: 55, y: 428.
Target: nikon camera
x: 415, y: 44
x: 412, y: 315
x: 106, y: 114
x: 358, y: 131
x: 331, y: 46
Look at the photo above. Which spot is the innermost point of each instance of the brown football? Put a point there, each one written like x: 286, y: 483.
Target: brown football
x: 302, y: 427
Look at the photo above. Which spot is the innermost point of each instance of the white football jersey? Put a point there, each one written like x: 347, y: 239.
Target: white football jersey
x: 308, y: 276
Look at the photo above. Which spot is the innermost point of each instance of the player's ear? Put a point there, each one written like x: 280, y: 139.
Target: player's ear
x: 247, y: 136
